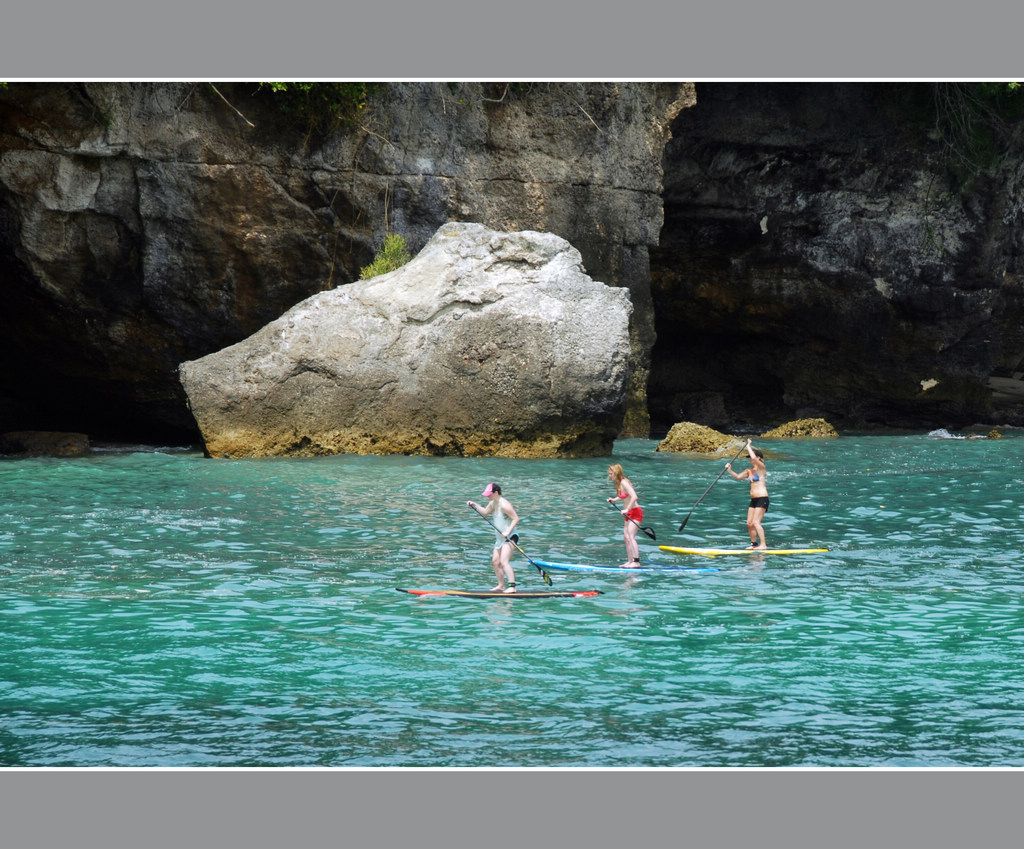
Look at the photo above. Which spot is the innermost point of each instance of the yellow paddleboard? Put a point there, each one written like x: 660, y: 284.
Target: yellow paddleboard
x: 718, y: 552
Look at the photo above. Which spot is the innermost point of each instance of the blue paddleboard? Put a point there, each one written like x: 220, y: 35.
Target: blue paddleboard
x: 643, y: 568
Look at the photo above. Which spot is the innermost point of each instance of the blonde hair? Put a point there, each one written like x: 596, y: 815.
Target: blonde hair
x: 615, y: 473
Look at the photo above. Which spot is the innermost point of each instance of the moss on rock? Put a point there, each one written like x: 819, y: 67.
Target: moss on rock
x: 802, y: 428
x: 698, y: 439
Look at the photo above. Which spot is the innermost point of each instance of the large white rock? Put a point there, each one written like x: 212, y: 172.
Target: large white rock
x: 485, y: 343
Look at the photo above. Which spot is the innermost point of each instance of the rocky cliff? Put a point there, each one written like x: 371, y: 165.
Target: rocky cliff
x: 142, y: 225
x: 790, y: 249
x: 822, y: 255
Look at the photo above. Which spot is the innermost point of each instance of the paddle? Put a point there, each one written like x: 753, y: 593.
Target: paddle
x: 514, y: 539
x: 706, y: 491
x: 647, y: 531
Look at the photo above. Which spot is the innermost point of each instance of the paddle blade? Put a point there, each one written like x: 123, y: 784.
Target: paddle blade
x: 683, y: 525
x: 649, y: 532
x: 543, y: 574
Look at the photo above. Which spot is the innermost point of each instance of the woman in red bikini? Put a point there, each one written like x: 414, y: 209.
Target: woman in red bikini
x: 630, y: 509
x: 758, y: 476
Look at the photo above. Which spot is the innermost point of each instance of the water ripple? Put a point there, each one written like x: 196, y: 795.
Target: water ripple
x: 161, y: 609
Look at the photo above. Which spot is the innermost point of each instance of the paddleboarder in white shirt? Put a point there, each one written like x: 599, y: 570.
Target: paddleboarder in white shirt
x: 504, y: 520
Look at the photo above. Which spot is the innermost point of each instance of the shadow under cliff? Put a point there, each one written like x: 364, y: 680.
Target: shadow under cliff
x: 820, y: 256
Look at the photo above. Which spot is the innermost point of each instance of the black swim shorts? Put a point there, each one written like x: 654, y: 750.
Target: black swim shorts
x: 759, y: 502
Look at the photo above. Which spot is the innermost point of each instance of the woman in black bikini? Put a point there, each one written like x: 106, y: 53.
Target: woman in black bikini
x: 758, y: 476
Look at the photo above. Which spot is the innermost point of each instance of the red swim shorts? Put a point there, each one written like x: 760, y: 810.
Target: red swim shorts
x: 636, y: 514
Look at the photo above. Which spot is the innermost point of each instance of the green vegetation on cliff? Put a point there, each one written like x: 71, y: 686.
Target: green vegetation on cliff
x: 393, y: 253
x: 973, y: 122
x: 322, y: 106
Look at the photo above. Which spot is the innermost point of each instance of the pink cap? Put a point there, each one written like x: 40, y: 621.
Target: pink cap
x: 488, y: 491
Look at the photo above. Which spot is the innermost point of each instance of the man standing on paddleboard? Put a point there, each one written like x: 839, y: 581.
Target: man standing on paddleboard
x: 758, y: 476
x: 505, y: 519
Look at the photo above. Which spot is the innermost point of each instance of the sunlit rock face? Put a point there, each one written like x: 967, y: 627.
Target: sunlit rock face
x: 486, y: 343
x: 145, y: 224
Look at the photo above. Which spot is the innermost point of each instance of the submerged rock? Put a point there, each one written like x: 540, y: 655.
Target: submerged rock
x: 487, y: 343
x: 44, y: 443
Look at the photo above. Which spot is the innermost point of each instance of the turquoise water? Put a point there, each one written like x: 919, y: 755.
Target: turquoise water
x: 160, y: 609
